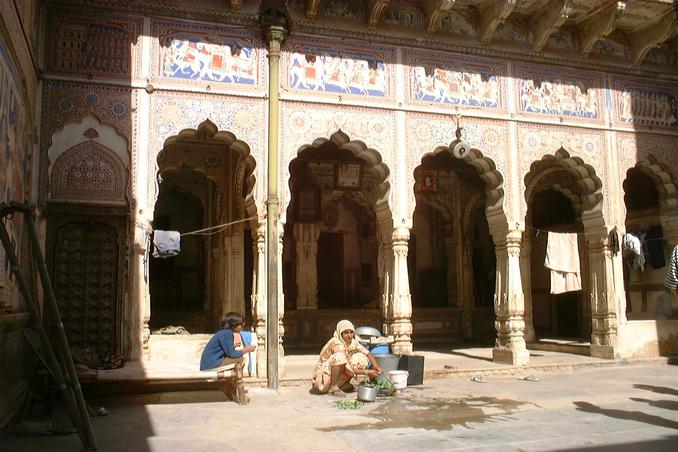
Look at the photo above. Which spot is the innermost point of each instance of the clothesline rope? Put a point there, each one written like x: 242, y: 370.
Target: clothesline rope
x: 583, y: 234
x: 218, y: 228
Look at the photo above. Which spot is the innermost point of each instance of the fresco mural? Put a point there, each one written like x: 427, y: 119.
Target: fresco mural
x: 547, y: 92
x: 15, y: 159
x: 200, y: 53
x: 345, y: 71
x: 93, y: 46
x: 640, y: 103
x: 455, y: 81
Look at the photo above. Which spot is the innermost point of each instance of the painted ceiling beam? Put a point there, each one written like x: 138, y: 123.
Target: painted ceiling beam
x: 544, y: 24
x: 650, y: 37
x: 374, y: 10
x: 599, y: 26
x: 435, y: 10
x: 492, y: 16
x: 311, y: 7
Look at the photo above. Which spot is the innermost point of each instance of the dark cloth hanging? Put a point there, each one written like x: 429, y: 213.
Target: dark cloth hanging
x: 654, y: 247
x: 613, y: 240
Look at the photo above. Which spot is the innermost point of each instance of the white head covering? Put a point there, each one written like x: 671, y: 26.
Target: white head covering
x: 342, y: 326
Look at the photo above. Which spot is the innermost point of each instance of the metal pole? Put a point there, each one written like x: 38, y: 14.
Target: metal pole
x: 54, y: 365
x: 274, y: 36
x: 51, y: 303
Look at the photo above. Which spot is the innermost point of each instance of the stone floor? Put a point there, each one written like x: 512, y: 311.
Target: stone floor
x: 613, y: 407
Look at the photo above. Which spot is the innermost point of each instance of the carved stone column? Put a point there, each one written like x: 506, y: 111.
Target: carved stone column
x: 259, y: 299
x: 604, y: 309
x: 236, y: 289
x: 306, y: 236
x: 526, y: 275
x: 281, y: 306
x: 509, y: 303
x: 450, y: 270
x: 386, y: 250
x: 400, y: 299
x: 142, y: 293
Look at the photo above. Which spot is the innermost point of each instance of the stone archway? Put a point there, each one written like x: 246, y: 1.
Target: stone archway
x: 216, y: 170
x: 576, y: 181
x: 336, y: 220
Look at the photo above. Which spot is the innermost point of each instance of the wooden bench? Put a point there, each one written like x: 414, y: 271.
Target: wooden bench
x: 230, y: 379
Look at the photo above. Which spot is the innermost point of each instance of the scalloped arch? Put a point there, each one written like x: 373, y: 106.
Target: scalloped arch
x: 665, y: 183
x: 588, y: 184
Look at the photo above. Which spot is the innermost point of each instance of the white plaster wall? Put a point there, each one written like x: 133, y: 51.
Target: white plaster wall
x: 647, y: 338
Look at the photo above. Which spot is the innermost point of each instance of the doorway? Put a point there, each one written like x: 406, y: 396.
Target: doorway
x: 330, y: 270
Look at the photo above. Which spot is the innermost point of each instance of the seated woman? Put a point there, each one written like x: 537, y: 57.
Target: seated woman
x: 340, y: 361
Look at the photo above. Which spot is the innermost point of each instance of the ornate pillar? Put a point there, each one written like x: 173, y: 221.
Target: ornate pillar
x: 604, y: 303
x: 236, y: 271
x: 386, y: 273
x: 259, y: 299
x: 526, y: 275
x: 509, y: 303
x: 400, y: 309
x: 142, y: 293
x: 306, y: 236
x: 451, y: 273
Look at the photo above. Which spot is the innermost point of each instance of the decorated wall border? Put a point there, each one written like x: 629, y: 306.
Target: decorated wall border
x: 635, y: 147
x: 318, y: 67
x: 301, y: 126
x: 94, y: 46
x: 547, y: 92
x: 537, y: 140
x: 428, y: 132
x: 644, y: 103
x: 173, y: 112
x: 444, y: 79
x: 201, y: 55
x: 65, y: 102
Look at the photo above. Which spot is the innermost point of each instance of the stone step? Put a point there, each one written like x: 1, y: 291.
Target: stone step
x: 561, y: 346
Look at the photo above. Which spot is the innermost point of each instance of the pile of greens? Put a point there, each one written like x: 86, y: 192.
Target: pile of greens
x: 384, y: 387
x: 349, y: 404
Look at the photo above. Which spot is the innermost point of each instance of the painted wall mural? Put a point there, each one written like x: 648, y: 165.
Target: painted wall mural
x: 557, y: 92
x: 207, y: 54
x: 314, y: 66
x: 454, y: 80
x: 94, y: 46
x: 640, y: 103
x: 15, y: 159
x: 633, y: 148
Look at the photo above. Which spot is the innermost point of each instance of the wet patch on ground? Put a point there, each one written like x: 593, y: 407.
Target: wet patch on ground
x: 433, y: 413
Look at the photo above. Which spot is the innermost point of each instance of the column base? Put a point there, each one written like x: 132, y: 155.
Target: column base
x: 511, y: 357
x: 402, y: 348
x: 603, y: 351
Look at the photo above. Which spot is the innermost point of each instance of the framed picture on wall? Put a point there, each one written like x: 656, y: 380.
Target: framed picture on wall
x: 348, y: 176
x: 427, y: 181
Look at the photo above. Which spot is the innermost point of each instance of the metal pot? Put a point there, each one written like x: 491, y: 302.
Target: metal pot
x: 367, y: 393
x: 367, y: 332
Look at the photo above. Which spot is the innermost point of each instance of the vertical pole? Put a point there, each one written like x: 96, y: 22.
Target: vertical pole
x: 274, y: 36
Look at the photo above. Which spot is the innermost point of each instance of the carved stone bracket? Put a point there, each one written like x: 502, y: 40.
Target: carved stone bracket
x: 374, y: 10
x: 655, y: 34
x: 435, y: 10
x: 544, y: 24
x: 600, y: 25
x: 493, y: 15
x: 311, y: 7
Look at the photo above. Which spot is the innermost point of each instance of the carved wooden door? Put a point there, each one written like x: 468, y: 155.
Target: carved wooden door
x: 85, y: 257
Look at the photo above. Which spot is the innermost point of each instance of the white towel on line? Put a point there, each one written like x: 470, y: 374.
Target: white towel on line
x: 562, y: 258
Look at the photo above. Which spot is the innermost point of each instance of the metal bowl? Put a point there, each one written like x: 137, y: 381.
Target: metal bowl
x: 367, y: 393
x: 367, y: 331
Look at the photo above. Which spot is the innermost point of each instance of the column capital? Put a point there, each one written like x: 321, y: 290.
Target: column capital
x: 274, y: 35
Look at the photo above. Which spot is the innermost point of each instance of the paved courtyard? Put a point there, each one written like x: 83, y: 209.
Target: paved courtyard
x: 629, y: 407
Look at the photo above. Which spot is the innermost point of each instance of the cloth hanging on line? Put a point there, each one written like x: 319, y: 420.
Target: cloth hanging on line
x: 653, y: 247
x: 613, y: 240
x: 166, y: 243
x: 633, y: 248
x: 562, y: 258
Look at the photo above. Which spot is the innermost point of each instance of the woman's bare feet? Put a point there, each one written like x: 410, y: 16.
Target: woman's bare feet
x: 336, y: 392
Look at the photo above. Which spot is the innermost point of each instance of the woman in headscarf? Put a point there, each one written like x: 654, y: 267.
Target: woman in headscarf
x: 341, y: 359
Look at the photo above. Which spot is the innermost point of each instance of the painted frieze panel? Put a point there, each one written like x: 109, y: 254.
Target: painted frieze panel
x: 352, y: 69
x: 68, y: 102
x: 207, y: 55
x: 302, y: 127
x: 346, y: 9
x: 445, y: 79
x: 641, y: 103
x: 102, y: 46
x: 635, y: 147
x: 426, y: 133
x: 173, y: 112
x: 558, y: 92
x: 404, y: 13
x: 536, y: 141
